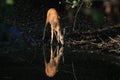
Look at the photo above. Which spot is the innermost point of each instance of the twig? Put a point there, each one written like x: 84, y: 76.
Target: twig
x: 118, y: 36
x: 113, y: 40
x: 77, y: 14
x: 103, y: 29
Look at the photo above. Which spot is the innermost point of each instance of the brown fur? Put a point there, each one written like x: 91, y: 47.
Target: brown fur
x: 53, y: 19
x: 51, y: 68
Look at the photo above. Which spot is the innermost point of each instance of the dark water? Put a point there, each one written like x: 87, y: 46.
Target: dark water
x: 75, y: 63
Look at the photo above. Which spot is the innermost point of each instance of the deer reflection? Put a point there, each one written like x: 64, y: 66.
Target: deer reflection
x: 51, y: 67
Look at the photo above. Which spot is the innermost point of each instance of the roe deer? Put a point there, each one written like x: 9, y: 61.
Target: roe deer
x: 51, y: 67
x: 53, y: 19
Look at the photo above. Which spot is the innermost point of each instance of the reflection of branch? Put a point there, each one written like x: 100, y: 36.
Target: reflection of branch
x: 34, y: 56
x: 66, y: 71
x: 74, y: 71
